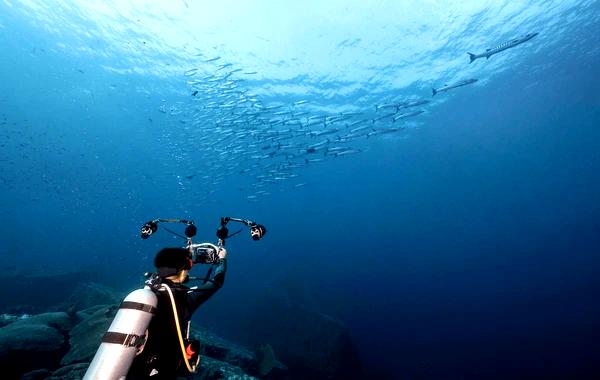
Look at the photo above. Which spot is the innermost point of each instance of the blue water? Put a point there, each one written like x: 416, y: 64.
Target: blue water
x: 465, y: 246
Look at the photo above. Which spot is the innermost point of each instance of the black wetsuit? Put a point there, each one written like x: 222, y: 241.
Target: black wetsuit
x: 162, y: 358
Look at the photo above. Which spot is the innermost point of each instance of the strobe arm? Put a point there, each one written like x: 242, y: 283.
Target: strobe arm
x: 151, y: 227
x: 257, y: 231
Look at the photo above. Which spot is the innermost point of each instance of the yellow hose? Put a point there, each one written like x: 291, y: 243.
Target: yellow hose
x: 191, y: 368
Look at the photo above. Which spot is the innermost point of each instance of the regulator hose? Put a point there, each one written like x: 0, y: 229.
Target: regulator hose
x: 191, y: 368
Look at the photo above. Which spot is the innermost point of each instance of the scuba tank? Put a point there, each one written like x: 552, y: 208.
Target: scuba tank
x: 124, y: 338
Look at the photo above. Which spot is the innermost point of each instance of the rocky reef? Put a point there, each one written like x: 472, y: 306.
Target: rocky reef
x: 59, y: 345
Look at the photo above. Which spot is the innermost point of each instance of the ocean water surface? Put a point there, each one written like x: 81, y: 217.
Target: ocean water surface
x: 457, y: 236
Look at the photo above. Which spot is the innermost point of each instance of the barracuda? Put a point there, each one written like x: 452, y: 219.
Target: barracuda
x: 408, y: 114
x: 507, y: 45
x: 454, y: 85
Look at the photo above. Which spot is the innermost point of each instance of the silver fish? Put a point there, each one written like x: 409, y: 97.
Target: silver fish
x: 453, y: 85
x: 507, y: 45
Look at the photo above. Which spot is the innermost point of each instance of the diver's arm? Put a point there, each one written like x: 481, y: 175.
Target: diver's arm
x: 215, y: 278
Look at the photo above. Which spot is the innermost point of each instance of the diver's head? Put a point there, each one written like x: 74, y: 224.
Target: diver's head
x: 173, y: 263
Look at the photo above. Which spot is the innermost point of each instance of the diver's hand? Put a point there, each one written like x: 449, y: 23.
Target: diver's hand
x: 222, y: 253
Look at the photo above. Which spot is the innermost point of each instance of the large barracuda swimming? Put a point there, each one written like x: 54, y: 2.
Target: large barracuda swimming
x: 507, y: 45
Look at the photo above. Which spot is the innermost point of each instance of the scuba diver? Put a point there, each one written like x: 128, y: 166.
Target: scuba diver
x: 161, y: 357
x: 149, y: 337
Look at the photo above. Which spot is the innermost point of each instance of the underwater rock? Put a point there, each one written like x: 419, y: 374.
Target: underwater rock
x: 215, y: 347
x: 220, y: 349
x: 6, y: 319
x: 38, y: 374
x: 58, y: 320
x: 85, y: 313
x: 91, y: 294
x: 37, y: 342
x: 86, y: 336
x: 70, y: 372
x: 213, y: 369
